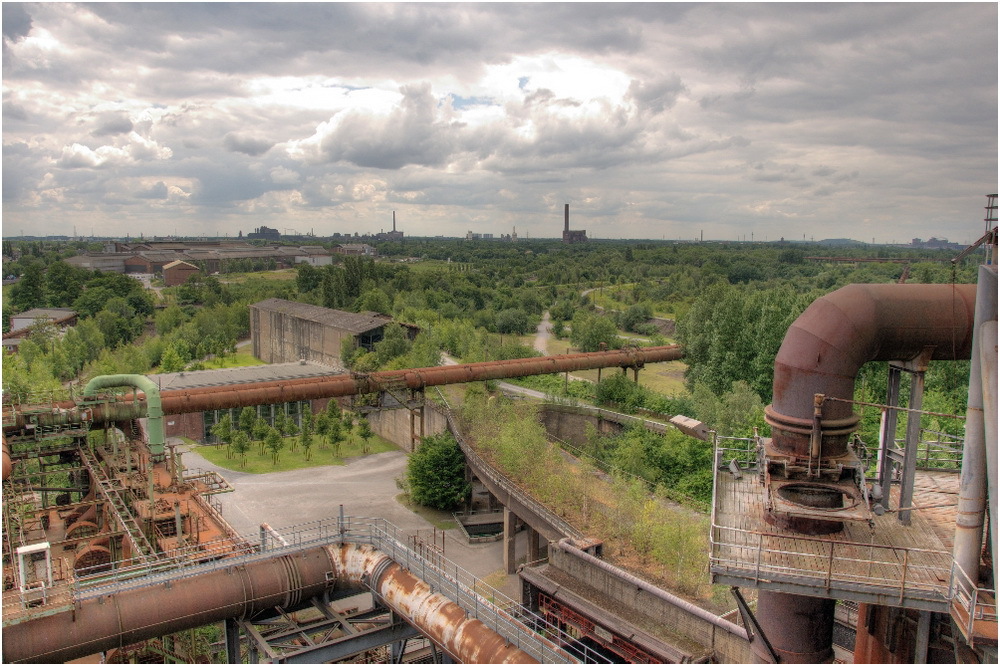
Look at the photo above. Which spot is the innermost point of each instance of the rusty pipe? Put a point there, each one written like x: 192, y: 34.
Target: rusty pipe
x: 126, y: 617
x: 826, y: 346
x: 465, y: 639
x: 8, y: 465
x: 244, y: 590
x: 311, y: 388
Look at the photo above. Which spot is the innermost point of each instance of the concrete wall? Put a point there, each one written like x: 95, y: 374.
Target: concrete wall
x: 729, y: 647
x: 281, y: 338
x: 569, y: 423
x: 394, y: 425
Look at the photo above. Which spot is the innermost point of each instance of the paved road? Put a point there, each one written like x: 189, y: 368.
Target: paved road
x: 366, y: 486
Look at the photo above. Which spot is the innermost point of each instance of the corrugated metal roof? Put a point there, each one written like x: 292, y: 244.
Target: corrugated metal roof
x: 175, y: 264
x: 253, y: 373
x: 352, y: 322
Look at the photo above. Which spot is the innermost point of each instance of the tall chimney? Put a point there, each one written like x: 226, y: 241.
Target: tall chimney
x: 566, y: 226
x: 393, y: 220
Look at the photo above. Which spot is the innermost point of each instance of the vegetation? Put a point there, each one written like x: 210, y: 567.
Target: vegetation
x: 435, y: 473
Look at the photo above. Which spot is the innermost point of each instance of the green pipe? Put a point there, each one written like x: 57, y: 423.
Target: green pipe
x: 154, y: 409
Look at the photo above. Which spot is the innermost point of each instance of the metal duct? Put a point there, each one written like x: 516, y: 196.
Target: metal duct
x: 826, y: 346
x: 312, y: 388
x: 243, y: 590
x: 154, y: 410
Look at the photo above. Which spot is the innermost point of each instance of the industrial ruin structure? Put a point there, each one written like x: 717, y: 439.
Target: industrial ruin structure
x: 109, y: 540
x: 571, y: 236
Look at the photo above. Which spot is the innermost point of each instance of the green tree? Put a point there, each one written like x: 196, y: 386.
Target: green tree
x: 591, y: 331
x: 435, y: 473
x: 394, y: 343
x: 365, y: 433
x: 223, y: 430
x: 274, y: 443
x: 29, y: 292
x: 241, y: 446
x: 248, y: 416
x: 260, y: 429
x: 374, y: 300
x: 335, y: 435
x: 63, y: 283
x: 171, y: 361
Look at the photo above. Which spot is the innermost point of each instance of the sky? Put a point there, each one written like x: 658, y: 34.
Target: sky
x: 876, y: 122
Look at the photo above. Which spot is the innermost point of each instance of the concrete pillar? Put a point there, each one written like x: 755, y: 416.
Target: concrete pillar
x: 509, y: 539
x: 534, y: 547
x: 888, y: 434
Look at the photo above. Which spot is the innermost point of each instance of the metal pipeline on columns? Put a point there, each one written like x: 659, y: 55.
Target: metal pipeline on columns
x: 153, y: 411
x: 244, y: 590
x: 311, y: 388
x: 118, y: 619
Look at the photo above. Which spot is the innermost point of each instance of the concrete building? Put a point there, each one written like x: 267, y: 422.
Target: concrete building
x: 356, y: 250
x: 284, y: 331
x: 178, y: 272
x: 197, y: 425
x: 27, y: 319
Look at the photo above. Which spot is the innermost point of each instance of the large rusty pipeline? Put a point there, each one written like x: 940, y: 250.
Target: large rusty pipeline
x: 311, y: 388
x: 244, y: 590
x: 826, y: 346
x: 821, y: 354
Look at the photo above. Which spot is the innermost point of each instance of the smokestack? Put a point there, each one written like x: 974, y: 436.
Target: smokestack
x: 393, y: 220
x: 566, y: 226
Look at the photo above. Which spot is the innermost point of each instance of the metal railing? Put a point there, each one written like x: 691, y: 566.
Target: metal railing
x: 520, y: 627
x: 978, y: 604
x: 863, y: 568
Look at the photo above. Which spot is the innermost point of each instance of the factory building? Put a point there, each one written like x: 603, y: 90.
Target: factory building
x: 284, y: 331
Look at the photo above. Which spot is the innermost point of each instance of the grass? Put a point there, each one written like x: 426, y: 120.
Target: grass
x: 289, y: 459
x: 240, y: 359
x: 665, y: 378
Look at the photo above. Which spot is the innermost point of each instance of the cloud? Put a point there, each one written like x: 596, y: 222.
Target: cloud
x: 113, y: 123
x: 648, y: 118
x: 248, y: 144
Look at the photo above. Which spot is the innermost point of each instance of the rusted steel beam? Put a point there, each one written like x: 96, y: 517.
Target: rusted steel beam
x: 312, y: 388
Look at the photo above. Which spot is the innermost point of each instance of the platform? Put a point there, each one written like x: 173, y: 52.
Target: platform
x: 884, y: 563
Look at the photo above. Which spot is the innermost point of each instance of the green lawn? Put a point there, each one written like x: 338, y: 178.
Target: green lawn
x: 240, y: 359
x: 666, y: 378
x: 289, y: 459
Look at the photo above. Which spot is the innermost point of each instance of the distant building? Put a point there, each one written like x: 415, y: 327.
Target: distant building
x: 356, y: 250
x: 178, y: 272
x: 264, y: 233
x: 572, y: 236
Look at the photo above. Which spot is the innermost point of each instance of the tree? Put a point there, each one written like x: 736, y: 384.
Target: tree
x: 590, y: 331
x: 374, y: 300
x: 394, y: 343
x: 365, y: 433
x: 435, y: 473
x: 513, y: 321
x: 260, y: 430
x: 171, y: 361
x: 241, y: 445
x: 29, y: 292
x: 274, y: 443
x: 63, y: 283
x: 223, y: 430
x: 248, y: 416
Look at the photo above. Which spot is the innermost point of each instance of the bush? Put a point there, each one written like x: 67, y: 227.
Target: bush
x: 435, y: 473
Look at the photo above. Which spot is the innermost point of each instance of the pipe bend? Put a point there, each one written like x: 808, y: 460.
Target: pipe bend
x: 826, y: 346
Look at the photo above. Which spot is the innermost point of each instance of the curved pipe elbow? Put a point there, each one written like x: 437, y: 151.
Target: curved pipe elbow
x: 154, y: 407
x: 824, y: 348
